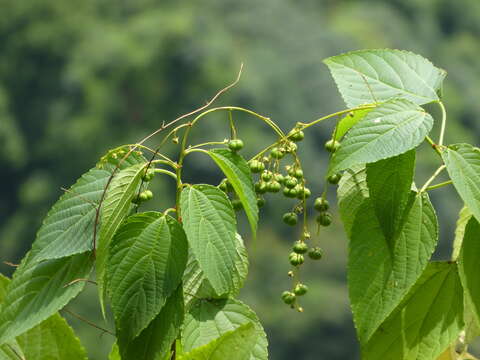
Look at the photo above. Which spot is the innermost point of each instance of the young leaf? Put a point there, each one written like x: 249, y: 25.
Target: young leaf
x: 155, y: 341
x: 348, y: 121
x: 463, y: 166
x: 209, y: 320
x: 210, y: 225
x: 463, y: 218
x: 352, y: 192
x: 38, y: 291
x: 372, y: 76
x: 469, y: 263
x: 382, y: 270
x: 390, y: 129
x: 195, y: 284
x: 389, y: 182
x: 51, y: 339
x: 69, y: 225
x: 145, y: 265
x: 115, y: 208
x: 427, y: 321
x: 237, y: 171
x: 233, y: 345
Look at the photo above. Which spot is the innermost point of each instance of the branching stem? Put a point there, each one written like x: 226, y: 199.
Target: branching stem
x: 435, y: 174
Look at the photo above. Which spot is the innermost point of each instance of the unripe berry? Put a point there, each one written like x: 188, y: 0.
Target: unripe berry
x: 288, y: 297
x: 300, y: 247
x: 300, y: 289
x: 332, y: 145
x: 334, y: 179
x: 315, y: 253
x: 235, y: 144
x: 324, y: 218
x: 296, y: 259
x: 290, y: 218
x: 321, y: 204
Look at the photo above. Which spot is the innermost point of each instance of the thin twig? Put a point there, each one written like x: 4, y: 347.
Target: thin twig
x: 10, y: 264
x: 78, y: 280
x: 88, y: 322
x: 163, y: 127
x: 429, y: 181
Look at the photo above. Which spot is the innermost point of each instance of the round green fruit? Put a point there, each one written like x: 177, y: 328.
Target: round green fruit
x: 300, y: 289
x: 300, y: 247
x: 290, y: 218
x: 334, y: 179
x: 290, y: 182
x: 149, y: 174
x: 288, y: 297
x: 145, y: 195
x: 256, y: 166
x: 237, y: 204
x: 296, y: 135
x: 260, y: 202
x: 276, y: 153
x: 261, y: 187
x: 273, y: 186
x: 315, y: 253
x: 321, y: 204
x: 296, y: 259
x: 278, y: 177
x: 332, y: 145
x: 235, y: 145
x: 266, y: 175
x: 324, y: 218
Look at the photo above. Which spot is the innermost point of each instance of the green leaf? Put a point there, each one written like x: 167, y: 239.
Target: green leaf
x: 115, y: 208
x: 348, y: 121
x: 155, y: 341
x: 146, y: 262
x: 463, y: 166
x: 114, y: 353
x: 233, y: 345
x: 210, y: 225
x: 197, y: 286
x: 392, y: 128
x: 372, y: 76
x: 427, y: 321
x: 351, y: 193
x: 68, y: 227
x: 50, y: 340
x: 209, y: 320
x: 38, y: 291
x: 237, y: 171
x: 389, y: 182
x: 382, y: 270
x: 10, y: 350
x: 469, y: 263
x: 463, y: 218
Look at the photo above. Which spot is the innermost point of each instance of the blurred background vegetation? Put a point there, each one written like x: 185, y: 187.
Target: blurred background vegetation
x: 80, y: 77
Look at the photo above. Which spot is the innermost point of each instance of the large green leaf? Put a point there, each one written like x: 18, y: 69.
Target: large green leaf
x: 469, y: 263
x: 463, y: 217
x: 237, y: 171
x: 389, y: 182
x: 233, y: 345
x: 68, y: 227
x: 372, y: 76
x: 427, y: 321
x: 209, y: 222
x: 463, y: 166
x: 352, y: 192
x: 146, y: 262
x: 381, y: 270
x: 11, y: 349
x: 209, y: 320
x: 348, y: 121
x: 197, y: 286
x: 52, y: 339
x: 390, y: 129
x: 155, y: 341
x: 38, y: 291
x: 115, y: 208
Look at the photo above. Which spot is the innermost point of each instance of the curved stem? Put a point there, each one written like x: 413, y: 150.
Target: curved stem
x: 429, y: 181
x: 338, y: 113
x: 439, y: 185
x: 207, y: 143
x: 444, y: 123
x: 166, y: 162
x: 166, y: 172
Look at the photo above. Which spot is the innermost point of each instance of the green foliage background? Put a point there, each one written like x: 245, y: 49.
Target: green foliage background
x: 78, y: 78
